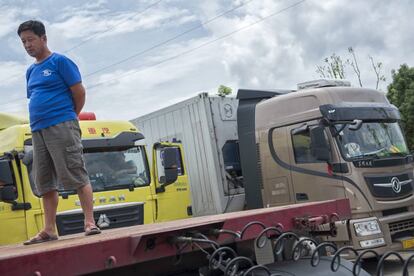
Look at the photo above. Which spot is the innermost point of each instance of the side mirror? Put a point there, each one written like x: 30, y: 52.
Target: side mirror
x: 302, y: 129
x: 8, y: 193
x: 319, y: 145
x: 355, y: 125
x: 169, y: 157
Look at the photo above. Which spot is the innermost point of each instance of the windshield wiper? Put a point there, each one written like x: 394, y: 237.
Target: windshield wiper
x: 374, y: 154
x: 375, y: 151
x: 366, y: 156
x: 130, y: 186
x: 371, y: 155
x: 399, y: 153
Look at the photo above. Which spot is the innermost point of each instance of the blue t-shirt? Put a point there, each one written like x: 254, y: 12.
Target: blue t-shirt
x: 50, y: 98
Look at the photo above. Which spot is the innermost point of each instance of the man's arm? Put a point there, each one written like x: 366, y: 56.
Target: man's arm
x: 78, y: 94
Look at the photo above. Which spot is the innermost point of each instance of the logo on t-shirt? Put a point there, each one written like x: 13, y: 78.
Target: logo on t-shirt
x: 47, y: 72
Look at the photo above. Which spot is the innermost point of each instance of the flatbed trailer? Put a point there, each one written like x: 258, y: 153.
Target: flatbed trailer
x: 150, y: 245
x: 288, y: 240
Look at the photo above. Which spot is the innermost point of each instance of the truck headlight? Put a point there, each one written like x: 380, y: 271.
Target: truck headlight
x: 367, y: 228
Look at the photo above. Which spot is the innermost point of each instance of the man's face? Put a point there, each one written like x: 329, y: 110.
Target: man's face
x: 33, y: 44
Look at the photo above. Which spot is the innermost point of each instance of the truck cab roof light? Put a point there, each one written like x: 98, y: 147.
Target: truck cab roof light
x: 87, y: 116
x: 323, y: 83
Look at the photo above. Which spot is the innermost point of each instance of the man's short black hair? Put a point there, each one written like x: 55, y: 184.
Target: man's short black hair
x: 35, y: 26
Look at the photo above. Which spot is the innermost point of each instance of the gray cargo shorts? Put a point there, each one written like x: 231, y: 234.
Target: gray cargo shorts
x: 58, y: 158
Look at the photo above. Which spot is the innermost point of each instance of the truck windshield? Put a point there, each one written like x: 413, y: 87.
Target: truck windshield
x: 117, y: 169
x: 372, y: 140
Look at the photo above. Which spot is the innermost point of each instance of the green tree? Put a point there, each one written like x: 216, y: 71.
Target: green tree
x: 377, y: 67
x: 334, y: 67
x: 401, y: 94
x: 223, y: 91
x: 354, y: 64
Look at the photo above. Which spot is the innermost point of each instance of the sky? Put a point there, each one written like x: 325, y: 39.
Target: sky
x: 137, y: 56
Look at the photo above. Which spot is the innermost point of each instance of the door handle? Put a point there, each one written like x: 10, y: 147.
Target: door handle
x: 302, y: 196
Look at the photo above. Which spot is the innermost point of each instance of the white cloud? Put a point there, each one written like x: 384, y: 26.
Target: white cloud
x: 9, y: 19
x: 88, y: 8
x: 286, y: 48
x: 99, y: 22
x: 139, y: 91
x: 15, y: 107
x: 278, y: 53
x: 12, y: 73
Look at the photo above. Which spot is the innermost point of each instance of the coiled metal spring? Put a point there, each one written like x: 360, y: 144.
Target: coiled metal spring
x: 230, y: 263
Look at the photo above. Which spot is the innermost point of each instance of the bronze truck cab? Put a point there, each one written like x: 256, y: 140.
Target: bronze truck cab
x: 327, y: 142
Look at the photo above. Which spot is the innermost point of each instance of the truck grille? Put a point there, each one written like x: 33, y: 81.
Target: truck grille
x: 401, y: 226
x: 390, y: 186
x: 107, y: 217
x: 394, y: 211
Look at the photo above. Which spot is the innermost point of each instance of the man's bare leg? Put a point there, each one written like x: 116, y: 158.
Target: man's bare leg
x: 50, y: 203
x: 86, y: 199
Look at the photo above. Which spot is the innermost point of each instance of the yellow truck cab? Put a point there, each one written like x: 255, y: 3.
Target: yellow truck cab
x: 127, y: 189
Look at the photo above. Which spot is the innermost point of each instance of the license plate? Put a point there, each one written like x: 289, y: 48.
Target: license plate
x: 408, y: 243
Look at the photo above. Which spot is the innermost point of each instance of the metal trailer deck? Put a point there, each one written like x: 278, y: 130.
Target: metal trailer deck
x: 154, y: 247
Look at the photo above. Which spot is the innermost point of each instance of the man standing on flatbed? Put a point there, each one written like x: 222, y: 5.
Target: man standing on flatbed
x: 56, y: 97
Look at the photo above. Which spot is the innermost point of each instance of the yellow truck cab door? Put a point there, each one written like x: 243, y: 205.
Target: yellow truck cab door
x: 172, y: 193
x: 313, y: 179
x: 12, y: 204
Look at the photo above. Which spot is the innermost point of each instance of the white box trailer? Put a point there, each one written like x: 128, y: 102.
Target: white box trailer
x: 207, y: 128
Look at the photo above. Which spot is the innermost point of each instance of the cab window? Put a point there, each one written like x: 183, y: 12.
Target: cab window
x: 302, y: 147
x: 117, y: 168
x: 7, y: 179
x: 160, y: 161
